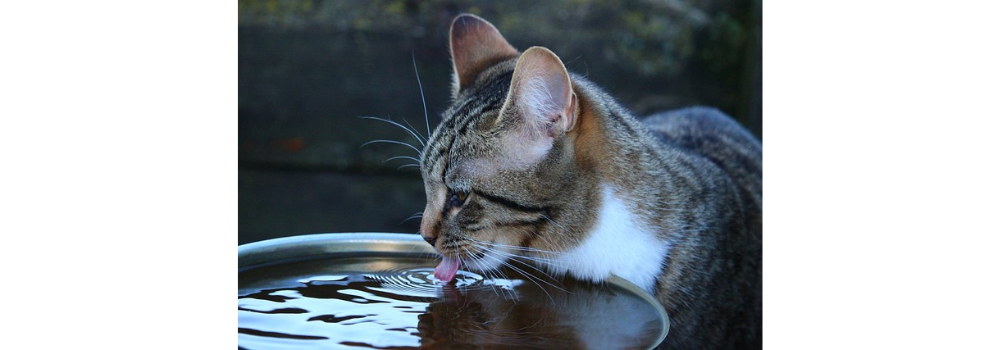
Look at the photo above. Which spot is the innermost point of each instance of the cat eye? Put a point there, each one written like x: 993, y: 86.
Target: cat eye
x: 456, y: 199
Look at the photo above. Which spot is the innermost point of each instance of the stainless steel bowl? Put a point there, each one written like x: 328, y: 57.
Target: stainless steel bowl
x: 276, y: 272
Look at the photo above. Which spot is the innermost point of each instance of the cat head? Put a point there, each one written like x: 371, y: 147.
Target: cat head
x: 502, y: 158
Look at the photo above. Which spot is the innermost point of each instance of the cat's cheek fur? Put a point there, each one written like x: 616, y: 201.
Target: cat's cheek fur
x: 620, y: 243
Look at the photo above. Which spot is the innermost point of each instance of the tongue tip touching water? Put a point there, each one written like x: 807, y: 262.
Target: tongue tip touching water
x: 446, y: 270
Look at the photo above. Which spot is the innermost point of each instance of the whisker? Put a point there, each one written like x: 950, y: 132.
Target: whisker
x: 414, y: 216
x: 554, y: 223
x: 541, y: 260
x: 540, y: 252
x: 411, y: 132
x: 421, y: 86
x: 503, y: 289
x: 485, y: 246
x: 497, y: 275
x: 411, y: 127
x: 392, y: 142
x: 485, y: 272
x: 516, y: 247
x: 554, y: 283
x: 402, y: 157
x: 525, y: 259
x: 521, y: 259
x: 528, y: 276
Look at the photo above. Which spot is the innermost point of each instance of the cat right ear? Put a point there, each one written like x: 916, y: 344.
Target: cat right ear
x: 475, y: 45
x: 540, y: 105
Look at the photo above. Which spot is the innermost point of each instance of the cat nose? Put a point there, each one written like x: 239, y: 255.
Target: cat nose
x: 430, y: 239
x: 427, y: 229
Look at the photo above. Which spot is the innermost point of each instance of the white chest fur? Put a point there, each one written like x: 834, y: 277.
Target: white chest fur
x: 620, y: 243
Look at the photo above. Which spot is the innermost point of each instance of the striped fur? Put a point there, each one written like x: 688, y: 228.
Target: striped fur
x: 672, y: 202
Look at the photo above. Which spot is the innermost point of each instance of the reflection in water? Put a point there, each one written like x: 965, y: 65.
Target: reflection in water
x: 406, y: 307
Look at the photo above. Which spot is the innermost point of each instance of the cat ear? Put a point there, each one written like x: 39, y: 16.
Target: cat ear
x: 541, y: 104
x: 475, y: 45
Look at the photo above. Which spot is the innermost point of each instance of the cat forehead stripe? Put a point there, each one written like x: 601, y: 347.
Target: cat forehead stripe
x: 441, y: 143
x: 490, y: 96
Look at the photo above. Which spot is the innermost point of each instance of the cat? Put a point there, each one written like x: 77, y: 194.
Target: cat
x: 536, y: 164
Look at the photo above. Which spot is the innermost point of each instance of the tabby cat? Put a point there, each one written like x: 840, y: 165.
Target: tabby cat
x: 532, y: 162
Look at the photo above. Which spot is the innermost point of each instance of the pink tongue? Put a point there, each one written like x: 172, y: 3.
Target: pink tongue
x: 447, y: 269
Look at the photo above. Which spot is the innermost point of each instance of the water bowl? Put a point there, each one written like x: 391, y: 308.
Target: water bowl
x: 378, y: 291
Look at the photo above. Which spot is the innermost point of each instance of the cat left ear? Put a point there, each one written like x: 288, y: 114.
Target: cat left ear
x: 475, y: 45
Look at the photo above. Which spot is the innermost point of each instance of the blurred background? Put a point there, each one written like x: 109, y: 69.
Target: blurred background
x: 309, y: 69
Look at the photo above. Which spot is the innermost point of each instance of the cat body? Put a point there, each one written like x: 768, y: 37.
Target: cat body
x: 532, y: 163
